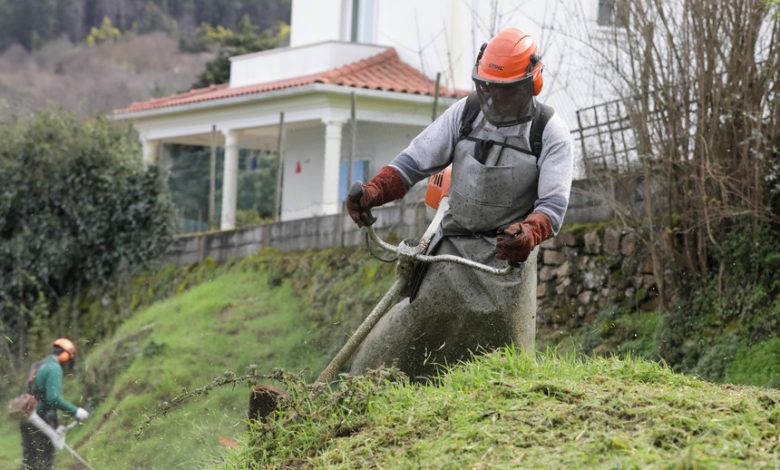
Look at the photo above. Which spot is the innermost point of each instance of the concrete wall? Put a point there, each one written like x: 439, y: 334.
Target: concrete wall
x: 329, y: 231
x: 406, y: 220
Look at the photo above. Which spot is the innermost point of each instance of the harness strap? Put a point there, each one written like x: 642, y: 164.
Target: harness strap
x: 542, y: 115
x: 31, y: 380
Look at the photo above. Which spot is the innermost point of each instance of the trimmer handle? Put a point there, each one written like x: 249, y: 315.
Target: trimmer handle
x: 355, y: 193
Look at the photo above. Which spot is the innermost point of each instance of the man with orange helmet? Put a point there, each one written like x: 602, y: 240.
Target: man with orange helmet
x: 44, y: 382
x: 512, y: 165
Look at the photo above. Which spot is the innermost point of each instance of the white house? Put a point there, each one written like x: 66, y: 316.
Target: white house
x: 388, y: 53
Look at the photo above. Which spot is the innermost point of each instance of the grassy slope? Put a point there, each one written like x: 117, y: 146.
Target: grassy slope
x: 270, y: 309
x: 509, y: 411
x: 225, y: 324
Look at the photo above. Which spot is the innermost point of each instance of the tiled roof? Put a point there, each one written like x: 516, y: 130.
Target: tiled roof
x: 384, y: 71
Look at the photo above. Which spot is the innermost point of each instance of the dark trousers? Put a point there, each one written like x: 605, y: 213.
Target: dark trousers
x: 37, y: 449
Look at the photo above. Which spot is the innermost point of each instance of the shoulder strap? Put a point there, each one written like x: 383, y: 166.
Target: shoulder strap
x: 31, y: 377
x: 542, y: 115
x: 470, y: 112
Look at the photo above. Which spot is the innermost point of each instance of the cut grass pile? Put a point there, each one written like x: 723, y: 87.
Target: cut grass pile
x: 507, y: 410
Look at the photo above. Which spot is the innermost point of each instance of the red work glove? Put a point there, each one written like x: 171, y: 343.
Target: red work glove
x: 515, y: 242
x: 388, y: 185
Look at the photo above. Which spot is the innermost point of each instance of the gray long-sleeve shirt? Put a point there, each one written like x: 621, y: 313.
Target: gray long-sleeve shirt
x: 431, y: 151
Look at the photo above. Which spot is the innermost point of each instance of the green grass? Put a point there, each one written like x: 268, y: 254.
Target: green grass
x: 294, y: 310
x: 757, y: 365
x: 288, y: 310
x: 507, y: 410
x: 225, y: 324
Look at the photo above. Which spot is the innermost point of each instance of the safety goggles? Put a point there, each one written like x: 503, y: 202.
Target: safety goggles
x: 505, y: 103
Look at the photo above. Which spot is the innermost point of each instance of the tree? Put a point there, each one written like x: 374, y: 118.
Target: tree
x: 698, y: 80
x: 230, y: 43
x: 106, y: 32
x: 76, y: 208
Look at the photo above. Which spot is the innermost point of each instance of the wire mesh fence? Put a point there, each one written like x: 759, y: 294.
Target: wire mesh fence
x: 606, y: 137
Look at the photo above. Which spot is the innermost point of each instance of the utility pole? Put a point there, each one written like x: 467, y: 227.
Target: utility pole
x: 212, y: 178
x: 353, y: 148
x: 279, y: 163
x: 350, y: 160
x: 436, y: 96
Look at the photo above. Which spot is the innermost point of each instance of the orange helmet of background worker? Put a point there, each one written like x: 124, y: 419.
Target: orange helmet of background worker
x: 507, y: 75
x: 68, y: 349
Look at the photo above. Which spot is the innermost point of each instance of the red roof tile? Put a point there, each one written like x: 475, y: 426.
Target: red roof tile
x: 384, y: 71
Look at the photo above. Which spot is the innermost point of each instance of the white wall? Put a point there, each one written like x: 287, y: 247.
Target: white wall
x: 378, y: 143
x: 290, y: 62
x: 319, y: 20
x: 302, y: 192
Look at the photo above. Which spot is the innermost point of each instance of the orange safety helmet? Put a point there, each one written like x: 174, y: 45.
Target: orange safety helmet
x: 68, y: 349
x: 507, y: 75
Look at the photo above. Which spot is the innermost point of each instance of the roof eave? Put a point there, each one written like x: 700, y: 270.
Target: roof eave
x: 284, y: 93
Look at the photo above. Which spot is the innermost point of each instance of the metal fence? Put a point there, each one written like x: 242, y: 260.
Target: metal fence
x: 606, y: 138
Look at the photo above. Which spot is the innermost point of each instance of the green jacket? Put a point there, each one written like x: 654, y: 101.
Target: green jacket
x: 47, y: 388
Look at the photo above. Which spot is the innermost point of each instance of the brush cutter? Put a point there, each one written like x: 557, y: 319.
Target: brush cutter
x: 57, y: 436
x: 409, y: 253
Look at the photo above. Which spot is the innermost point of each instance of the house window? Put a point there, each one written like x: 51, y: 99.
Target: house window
x: 359, y: 173
x: 363, y: 21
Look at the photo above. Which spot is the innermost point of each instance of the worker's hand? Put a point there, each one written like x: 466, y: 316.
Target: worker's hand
x: 515, y: 242
x: 388, y: 185
x: 81, y: 414
x: 359, y: 205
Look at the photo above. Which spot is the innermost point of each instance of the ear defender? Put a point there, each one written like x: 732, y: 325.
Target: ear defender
x: 64, y: 357
x: 536, y: 67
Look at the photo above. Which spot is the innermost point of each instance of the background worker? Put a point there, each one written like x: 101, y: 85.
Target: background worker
x: 44, y: 382
x: 512, y: 167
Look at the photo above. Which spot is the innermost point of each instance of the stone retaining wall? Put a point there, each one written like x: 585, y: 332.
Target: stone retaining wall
x: 583, y: 270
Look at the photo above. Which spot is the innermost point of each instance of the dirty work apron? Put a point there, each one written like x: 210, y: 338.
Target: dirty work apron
x: 457, y: 310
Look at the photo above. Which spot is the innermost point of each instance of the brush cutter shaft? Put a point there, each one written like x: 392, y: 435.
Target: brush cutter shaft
x: 57, y: 437
x: 390, y: 298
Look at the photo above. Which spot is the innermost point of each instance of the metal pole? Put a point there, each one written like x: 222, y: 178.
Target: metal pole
x: 436, y: 96
x: 353, y: 148
x: 389, y: 299
x: 350, y: 160
x: 279, y: 163
x: 213, y: 178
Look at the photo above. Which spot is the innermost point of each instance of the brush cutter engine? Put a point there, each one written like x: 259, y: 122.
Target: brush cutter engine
x: 438, y: 187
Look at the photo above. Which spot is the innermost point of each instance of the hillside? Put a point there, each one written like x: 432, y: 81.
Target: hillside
x: 294, y: 310
x: 33, y: 23
x: 254, y: 312
x: 89, y: 80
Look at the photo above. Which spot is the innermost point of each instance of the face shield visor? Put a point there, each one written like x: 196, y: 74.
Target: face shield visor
x: 506, y: 103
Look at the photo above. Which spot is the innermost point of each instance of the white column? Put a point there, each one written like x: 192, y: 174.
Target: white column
x: 331, y: 164
x: 149, y: 149
x: 230, y: 181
